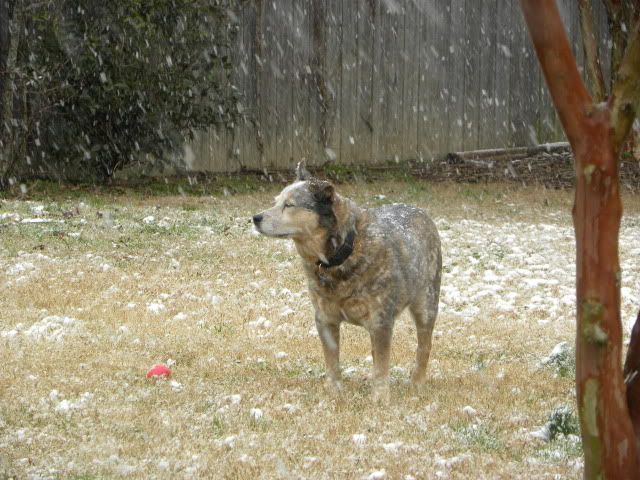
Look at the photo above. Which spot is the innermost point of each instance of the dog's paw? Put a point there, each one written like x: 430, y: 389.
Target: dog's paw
x: 418, y: 379
x: 380, y: 393
x: 334, y: 386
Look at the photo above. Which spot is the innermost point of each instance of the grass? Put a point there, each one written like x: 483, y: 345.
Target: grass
x: 97, y: 261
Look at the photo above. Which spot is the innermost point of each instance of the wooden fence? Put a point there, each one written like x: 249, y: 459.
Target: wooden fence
x: 374, y: 81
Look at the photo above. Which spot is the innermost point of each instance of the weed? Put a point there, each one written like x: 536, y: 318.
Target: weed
x: 562, y: 421
x: 218, y: 426
x: 477, y: 436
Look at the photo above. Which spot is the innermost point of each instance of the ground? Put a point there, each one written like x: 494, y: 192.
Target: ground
x: 98, y: 286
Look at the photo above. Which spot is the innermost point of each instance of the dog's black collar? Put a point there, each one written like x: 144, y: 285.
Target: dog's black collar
x: 341, y: 254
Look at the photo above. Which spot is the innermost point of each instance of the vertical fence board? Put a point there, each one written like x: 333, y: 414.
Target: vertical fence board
x: 246, y: 149
x: 320, y: 97
x: 456, y: 79
x: 364, y: 131
x: 516, y: 78
x: 486, y: 106
x: 376, y: 81
x: 285, y: 83
x: 530, y: 111
x: 390, y: 86
x: 333, y: 69
x: 302, y: 138
x: 411, y: 67
x: 268, y: 78
x: 504, y: 57
x: 472, y: 54
x: 435, y: 88
x: 349, y: 141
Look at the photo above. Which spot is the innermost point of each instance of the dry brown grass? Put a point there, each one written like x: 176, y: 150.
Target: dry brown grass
x: 203, y: 262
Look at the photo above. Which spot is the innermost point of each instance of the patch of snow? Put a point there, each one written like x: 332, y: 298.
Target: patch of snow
x: 541, y: 434
x: 52, y: 328
x: 392, y: 447
x: 560, y: 351
x: 287, y: 311
x: 155, y: 308
x: 260, y: 322
x: 65, y: 406
x: 290, y: 408
x: 377, y: 475
x: 450, y: 462
x: 10, y: 216
x: 228, y: 442
x: 359, y: 439
x: 19, y: 268
x: 40, y: 220
x: 469, y: 411
x: 256, y: 414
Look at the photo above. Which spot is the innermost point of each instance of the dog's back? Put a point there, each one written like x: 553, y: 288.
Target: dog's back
x: 412, y: 241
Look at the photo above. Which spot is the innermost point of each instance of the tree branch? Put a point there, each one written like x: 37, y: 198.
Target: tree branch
x: 590, y: 45
x: 625, y: 93
x: 621, y: 14
x: 558, y: 65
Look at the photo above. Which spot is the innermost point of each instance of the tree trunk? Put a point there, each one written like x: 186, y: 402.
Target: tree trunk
x: 6, y: 129
x: 595, y: 133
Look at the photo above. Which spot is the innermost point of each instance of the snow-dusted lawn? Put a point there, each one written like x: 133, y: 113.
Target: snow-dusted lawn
x: 98, y: 288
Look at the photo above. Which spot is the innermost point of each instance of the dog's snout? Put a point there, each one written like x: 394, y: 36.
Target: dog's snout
x: 257, y: 218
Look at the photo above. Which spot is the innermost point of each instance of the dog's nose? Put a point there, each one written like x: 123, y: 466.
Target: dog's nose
x: 257, y: 219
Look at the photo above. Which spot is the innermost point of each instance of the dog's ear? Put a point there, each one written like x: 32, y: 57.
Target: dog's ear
x: 302, y: 174
x: 322, y: 191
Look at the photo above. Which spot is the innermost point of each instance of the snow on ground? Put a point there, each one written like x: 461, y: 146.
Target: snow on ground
x: 52, y: 328
x: 526, y: 270
x: 231, y: 313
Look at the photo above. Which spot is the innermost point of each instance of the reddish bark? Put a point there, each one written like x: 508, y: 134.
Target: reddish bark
x: 609, y: 441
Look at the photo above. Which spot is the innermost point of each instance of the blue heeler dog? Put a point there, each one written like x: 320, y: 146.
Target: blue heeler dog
x: 364, y: 266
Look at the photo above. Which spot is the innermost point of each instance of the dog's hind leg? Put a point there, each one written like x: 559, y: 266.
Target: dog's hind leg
x: 329, y: 334
x: 381, y: 348
x: 424, y: 313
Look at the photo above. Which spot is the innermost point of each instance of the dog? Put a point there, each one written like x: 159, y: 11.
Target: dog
x: 363, y: 266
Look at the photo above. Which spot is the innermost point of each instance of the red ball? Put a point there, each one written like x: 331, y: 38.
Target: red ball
x: 159, y: 370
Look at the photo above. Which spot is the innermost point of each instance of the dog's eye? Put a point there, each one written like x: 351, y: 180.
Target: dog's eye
x: 287, y: 205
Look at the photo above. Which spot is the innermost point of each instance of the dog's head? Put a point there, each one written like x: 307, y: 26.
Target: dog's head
x: 303, y: 209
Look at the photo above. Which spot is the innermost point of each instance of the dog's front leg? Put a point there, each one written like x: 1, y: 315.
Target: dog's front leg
x: 329, y: 333
x: 381, y: 348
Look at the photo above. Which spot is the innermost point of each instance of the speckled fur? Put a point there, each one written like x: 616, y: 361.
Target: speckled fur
x: 396, y: 263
